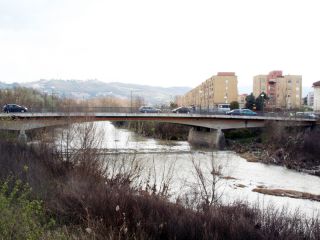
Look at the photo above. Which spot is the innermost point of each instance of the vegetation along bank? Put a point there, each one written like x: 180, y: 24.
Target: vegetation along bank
x: 292, y: 147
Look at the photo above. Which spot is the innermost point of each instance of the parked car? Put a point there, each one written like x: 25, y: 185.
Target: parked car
x: 245, y: 112
x: 14, y: 108
x: 310, y: 115
x: 145, y: 109
x: 181, y: 110
x: 234, y: 112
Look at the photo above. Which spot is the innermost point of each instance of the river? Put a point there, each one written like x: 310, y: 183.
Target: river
x: 176, y: 159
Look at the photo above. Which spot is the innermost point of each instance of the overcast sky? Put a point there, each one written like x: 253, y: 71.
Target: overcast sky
x: 162, y: 43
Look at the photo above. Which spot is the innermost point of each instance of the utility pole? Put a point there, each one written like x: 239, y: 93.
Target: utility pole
x: 51, y: 99
x: 208, y: 100
x: 200, y: 99
x: 131, y: 101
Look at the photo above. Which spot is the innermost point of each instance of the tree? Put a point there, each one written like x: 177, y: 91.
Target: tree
x: 305, y: 101
x: 260, y: 101
x: 250, y: 101
x: 173, y: 105
x: 234, y: 105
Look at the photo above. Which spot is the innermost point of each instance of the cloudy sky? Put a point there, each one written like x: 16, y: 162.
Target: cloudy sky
x: 162, y: 43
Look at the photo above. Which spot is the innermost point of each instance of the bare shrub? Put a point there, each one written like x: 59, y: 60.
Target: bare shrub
x: 207, y: 184
x: 292, y: 146
x: 275, y: 132
x: 104, y: 202
x: 159, y: 185
x: 123, y: 170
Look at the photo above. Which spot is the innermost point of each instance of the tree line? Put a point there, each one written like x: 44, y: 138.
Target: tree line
x: 35, y: 101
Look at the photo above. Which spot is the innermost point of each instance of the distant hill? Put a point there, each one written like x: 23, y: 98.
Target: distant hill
x: 8, y: 85
x: 95, y: 88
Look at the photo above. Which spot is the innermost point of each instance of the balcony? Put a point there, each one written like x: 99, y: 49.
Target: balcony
x: 272, y: 81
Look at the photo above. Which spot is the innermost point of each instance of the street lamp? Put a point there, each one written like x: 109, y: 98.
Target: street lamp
x: 131, y: 102
x: 262, y: 95
x: 52, y: 88
x: 200, y: 98
x: 208, y: 98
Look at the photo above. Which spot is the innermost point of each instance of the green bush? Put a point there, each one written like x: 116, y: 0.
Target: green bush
x: 234, y: 105
x: 20, y: 216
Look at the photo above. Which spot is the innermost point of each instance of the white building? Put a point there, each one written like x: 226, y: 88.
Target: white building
x: 310, y: 99
x: 316, y: 92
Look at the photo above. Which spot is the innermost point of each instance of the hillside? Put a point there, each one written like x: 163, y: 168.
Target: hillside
x: 95, y: 88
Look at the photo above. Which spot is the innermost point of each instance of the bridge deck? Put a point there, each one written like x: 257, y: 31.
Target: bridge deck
x: 27, y: 121
x: 144, y: 116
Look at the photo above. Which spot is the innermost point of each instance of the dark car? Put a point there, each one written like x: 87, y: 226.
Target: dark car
x: 309, y: 115
x: 234, y: 112
x: 149, y: 110
x: 14, y: 108
x: 245, y: 112
x: 181, y: 110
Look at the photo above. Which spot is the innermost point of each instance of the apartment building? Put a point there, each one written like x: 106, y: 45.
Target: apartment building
x: 242, y: 100
x: 218, y: 89
x: 310, y: 99
x: 316, y: 95
x: 284, y: 91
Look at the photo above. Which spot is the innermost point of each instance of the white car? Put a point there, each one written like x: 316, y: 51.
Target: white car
x: 145, y: 109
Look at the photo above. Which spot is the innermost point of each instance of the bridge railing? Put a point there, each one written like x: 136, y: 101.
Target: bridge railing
x: 88, y: 109
x: 83, y: 109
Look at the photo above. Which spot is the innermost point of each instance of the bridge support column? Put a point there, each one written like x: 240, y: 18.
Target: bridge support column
x: 22, y: 136
x: 203, y: 137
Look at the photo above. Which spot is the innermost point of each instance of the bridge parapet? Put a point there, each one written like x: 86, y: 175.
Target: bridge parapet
x: 38, y: 120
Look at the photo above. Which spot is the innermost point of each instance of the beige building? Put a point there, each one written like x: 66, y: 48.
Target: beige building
x: 242, y: 100
x: 219, y: 89
x: 284, y: 91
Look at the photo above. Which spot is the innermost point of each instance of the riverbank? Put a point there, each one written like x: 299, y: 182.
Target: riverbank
x: 84, y: 198
x: 299, y: 153
x: 288, y: 193
x: 293, y: 148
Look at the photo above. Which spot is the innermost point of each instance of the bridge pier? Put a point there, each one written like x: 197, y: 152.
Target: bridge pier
x: 205, y: 137
x: 22, y: 136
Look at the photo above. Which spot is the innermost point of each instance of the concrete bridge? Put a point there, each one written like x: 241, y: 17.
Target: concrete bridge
x: 207, y: 129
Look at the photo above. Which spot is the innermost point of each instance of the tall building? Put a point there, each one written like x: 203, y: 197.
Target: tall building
x: 316, y: 96
x: 310, y: 99
x: 284, y: 91
x: 221, y: 88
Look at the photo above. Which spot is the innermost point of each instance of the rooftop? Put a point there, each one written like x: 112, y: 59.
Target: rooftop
x: 226, y: 73
x: 316, y: 84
